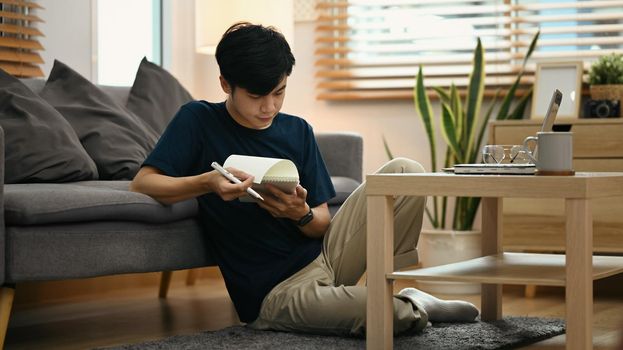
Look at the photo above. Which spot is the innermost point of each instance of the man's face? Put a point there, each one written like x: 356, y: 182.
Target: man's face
x: 254, y: 111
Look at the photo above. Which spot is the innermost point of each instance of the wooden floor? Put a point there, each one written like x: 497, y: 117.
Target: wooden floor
x: 136, y: 315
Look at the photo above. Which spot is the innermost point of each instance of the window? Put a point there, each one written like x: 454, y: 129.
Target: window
x: 18, y: 33
x: 370, y: 49
x: 126, y: 32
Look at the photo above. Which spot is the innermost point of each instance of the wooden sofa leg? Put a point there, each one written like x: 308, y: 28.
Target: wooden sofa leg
x: 165, y: 281
x: 6, y: 302
x: 191, y: 277
x: 530, y: 291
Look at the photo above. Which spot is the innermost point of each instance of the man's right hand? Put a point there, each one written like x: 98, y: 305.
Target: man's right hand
x: 228, y: 191
x: 169, y: 190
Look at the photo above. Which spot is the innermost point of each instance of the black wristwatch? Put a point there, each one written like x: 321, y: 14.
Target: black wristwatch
x: 306, y: 218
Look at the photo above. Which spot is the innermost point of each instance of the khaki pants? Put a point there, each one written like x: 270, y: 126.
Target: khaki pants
x: 323, y: 297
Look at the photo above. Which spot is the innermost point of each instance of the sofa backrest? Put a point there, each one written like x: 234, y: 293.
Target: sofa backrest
x: 342, y: 153
x: 119, y: 93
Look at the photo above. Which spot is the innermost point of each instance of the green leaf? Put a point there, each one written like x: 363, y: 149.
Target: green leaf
x: 506, y: 103
x: 443, y: 95
x: 449, y: 131
x: 530, y: 50
x: 387, y: 150
x: 444, y: 210
x: 483, y: 127
x: 432, y: 220
x: 474, y: 94
x: 422, y: 104
x: 470, y: 212
x: 458, y: 215
x: 459, y: 116
x: 518, y: 111
x: 449, y: 161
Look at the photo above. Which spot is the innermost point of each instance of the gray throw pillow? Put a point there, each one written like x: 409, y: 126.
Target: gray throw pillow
x: 116, y: 140
x: 156, y: 95
x: 40, y: 146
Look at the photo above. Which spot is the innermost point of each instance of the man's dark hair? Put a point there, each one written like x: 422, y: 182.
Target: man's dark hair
x: 254, y: 57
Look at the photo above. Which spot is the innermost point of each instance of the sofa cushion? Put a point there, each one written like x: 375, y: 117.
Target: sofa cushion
x: 344, y: 186
x: 40, y: 145
x: 34, y: 84
x: 118, y: 93
x: 116, y: 140
x: 79, y: 250
x: 156, y: 95
x: 40, y: 204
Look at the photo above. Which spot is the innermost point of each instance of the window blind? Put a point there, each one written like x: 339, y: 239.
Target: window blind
x: 371, y: 49
x: 18, y: 45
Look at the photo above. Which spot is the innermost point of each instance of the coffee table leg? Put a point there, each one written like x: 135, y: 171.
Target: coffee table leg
x: 491, y: 295
x: 579, y: 288
x: 380, y: 261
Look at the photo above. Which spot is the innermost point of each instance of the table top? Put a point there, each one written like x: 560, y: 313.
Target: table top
x: 580, y: 185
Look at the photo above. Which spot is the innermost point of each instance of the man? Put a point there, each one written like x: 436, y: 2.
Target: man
x: 286, y: 264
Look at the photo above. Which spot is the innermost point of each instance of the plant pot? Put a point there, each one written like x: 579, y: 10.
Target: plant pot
x: 606, y: 92
x: 440, y: 247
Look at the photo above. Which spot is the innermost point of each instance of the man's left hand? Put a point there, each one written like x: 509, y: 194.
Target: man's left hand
x: 285, y: 205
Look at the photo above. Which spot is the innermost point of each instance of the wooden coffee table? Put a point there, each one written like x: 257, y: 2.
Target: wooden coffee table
x: 575, y: 270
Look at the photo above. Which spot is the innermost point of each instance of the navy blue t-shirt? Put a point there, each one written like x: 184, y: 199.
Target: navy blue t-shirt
x: 254, y: 250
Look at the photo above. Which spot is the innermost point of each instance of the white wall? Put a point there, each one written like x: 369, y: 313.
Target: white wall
x: 182, y: 54
x: 68, y: 34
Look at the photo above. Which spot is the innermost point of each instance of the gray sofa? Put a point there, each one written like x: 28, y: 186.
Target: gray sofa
x: 95, y: 228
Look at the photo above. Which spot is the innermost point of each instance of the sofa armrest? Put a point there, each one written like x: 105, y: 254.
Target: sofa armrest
x: 342, y: 153
x: 2, y: 228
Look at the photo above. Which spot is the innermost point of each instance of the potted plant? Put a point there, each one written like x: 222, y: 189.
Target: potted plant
x: 463, y: 126
x: 605, y: 78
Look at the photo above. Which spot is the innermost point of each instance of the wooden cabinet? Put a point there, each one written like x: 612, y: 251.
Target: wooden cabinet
x: 539, y: 224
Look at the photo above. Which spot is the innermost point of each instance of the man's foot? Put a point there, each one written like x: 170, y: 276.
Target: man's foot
x: 441, y: 310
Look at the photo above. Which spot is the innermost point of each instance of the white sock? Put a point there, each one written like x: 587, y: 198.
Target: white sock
x: 439, y: 310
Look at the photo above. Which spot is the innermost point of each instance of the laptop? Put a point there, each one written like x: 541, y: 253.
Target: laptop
x: 510, y: 168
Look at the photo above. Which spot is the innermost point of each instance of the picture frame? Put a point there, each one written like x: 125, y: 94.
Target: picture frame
x: 564, y: 76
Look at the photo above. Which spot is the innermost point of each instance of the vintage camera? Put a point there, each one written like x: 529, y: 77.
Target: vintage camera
x: 602, y: 109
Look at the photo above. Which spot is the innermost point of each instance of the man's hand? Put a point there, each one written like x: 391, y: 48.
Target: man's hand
x: 285, y: 205
x: 294, y: 206
x: 219, y: 184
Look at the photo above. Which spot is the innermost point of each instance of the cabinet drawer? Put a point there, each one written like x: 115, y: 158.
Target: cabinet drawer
x: 595, y: 141
x: 598, y: 164
x: 599, y: 140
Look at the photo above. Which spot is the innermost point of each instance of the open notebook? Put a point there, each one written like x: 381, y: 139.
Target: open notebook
x: 281, y: 173
x: 515, y: 169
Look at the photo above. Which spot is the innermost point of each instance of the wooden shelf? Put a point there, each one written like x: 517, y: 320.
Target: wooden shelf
x: 511, y: 268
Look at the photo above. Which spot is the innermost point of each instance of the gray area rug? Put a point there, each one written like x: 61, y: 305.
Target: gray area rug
x: 508, y: 333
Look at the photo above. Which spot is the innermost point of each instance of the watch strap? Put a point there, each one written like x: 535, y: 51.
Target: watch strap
x: 306, y: 218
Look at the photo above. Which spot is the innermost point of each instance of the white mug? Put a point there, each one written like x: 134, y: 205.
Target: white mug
x: 553, y: 154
